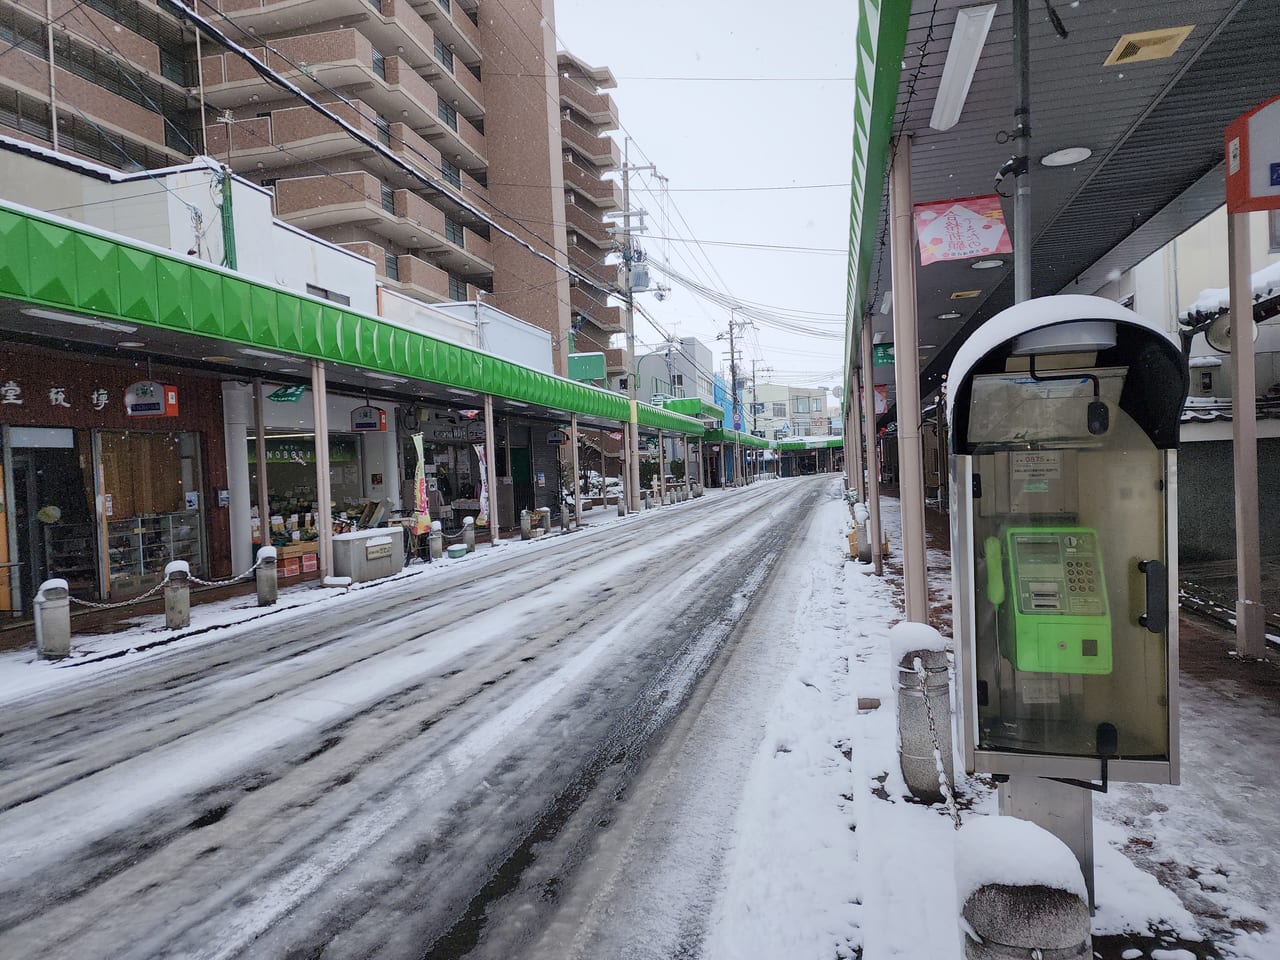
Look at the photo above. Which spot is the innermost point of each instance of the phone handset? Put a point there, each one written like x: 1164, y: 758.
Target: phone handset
x: 992, y: 551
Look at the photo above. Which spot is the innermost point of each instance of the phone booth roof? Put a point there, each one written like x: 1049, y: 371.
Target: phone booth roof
x: 1155, y: 388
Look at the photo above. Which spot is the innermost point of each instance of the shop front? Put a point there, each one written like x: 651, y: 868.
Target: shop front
x: 108, y: 474
x: 364, y: 486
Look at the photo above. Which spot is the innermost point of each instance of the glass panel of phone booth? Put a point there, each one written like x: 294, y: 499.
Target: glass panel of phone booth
x: 1062, y: 518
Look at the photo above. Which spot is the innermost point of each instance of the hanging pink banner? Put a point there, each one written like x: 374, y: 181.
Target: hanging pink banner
x: 961, y: 229
x: 483, y: 519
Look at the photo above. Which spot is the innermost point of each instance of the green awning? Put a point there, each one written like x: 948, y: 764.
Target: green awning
x: 695, y: 407
x: 56, y: 263
x: 735, y: 436
x: 811, y: 443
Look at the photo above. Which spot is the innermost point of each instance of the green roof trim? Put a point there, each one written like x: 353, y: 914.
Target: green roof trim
x: 736, y: 436
x: 811, y: 443
x: 695, y: 407
x: 881, y: 40
x: 57, y: 263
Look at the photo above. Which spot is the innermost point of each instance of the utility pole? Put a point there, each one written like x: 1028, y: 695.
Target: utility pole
x: 733, y: 393
x: 628, y: 256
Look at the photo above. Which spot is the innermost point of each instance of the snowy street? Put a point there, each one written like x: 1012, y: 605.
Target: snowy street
x: 642, y: 739
x: 372, y: 777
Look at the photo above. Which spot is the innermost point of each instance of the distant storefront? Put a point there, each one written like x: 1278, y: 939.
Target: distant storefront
x: 111, y: 469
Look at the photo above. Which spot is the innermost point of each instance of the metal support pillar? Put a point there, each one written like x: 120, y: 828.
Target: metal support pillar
x: 873, y: 460
x: 324, y: 494
x: 1063, y: 810
x: 1022, y: 148
x: 577, y: 475
x: 906, y: 340
x: 490, y: 469
x: 662, y: 465
x: 1251, y: 615
x: 260, y: 451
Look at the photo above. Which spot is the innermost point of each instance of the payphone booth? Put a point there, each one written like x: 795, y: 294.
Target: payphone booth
x: 1064, y: 415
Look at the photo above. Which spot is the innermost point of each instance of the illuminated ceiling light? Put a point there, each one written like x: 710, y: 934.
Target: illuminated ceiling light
x: 216, y: 358
x: 462, y: 393
x: 96, y: 322
x: 263, y: 354
x: 952, y: 315
x: 966, y: 294
x: 986, y: 264
x: 130, y: 344
x: 967, y: 40
x: 374, y: 375
x: 1066, y: 156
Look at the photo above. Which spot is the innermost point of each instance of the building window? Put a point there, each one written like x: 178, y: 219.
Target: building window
x: 384, y: 130
x: 388, y: 199
x: 450, y: 173
x: 447, y: 114
x: 380, y: 65
x: 453, y: 231
x: 444, y: 4
x: 329, y: 295
x: 799, y: 404
x: 269, y: 182
x: 622, y: 383
x: 1273, y: 229
x: 392, y: 264
x: 780, y: 411
x: 1206, y: 377
x: 444, y: 54
x: 457, y: 287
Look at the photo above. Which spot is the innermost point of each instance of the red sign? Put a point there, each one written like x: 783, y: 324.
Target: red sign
x: 961, y: 229
x: 1252, y: 143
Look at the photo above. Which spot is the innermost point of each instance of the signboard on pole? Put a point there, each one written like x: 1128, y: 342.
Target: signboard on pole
x: 1253, y: 159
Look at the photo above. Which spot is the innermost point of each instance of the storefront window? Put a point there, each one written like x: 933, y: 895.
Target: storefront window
x: 293, y: 513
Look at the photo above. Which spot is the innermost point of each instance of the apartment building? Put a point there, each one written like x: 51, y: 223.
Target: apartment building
x: 472, y: 105
x: 587, y: 114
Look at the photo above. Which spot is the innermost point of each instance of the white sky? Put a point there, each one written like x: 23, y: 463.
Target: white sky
x: 791, y: 125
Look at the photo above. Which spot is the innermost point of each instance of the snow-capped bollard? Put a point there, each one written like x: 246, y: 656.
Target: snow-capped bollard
x: 622, y: 505
x: 861, y: 516
x: 1020, y: 891
x: 544, y: 519
x: 266, y: 577
x: 53, y: 619
x: 469, y: 533
x: 564, y: 519
x: 436, y: 540
x: 909, y: 642
x: 177, y: 595
x: 526, y: 525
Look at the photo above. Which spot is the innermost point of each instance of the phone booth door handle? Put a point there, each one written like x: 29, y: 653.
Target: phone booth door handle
x: 1156, y: 619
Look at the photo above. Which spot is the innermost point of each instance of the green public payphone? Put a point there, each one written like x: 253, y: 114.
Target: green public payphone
x: 1064, y: 417
x: 1058, y: 615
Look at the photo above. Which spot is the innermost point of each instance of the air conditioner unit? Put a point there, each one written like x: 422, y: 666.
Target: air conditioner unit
x: 568, y: 156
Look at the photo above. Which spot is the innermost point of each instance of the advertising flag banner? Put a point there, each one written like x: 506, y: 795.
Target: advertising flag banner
x: 483, y: 519
x: 961, y: 229
x: 882, y: 398
x: 421, y: 509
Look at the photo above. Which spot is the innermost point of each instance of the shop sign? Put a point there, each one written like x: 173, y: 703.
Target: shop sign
x: 146, y: 398
x: 557, y: 437
x: 11, y: 395
x: 461, y: 432
x: 290, y: 394
x: 368, y: 419
x: 882, y: 355
x: 377, y: 548
x: 961, y: 229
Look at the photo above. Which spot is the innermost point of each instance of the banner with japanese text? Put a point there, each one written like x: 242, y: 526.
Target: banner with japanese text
x: 483, y: 519
x: 961, y: 229
x: 421, y: 510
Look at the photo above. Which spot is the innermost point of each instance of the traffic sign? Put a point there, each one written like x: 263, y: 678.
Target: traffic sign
x: 737, y: 420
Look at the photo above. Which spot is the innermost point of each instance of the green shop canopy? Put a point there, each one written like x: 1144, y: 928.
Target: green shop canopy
x: 59, y: 264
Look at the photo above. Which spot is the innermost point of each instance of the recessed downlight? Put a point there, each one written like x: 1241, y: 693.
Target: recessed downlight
x: 951, y: 315
x: 966, y: 294
x: 1066, y: 156
x: 986, y: 264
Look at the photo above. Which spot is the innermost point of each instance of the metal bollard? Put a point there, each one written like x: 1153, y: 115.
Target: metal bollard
x: 915, y: 738
x: 177, y: 595
x: 53, y: 620
x: 436, y: 540
x: 469, y: 533
x: 266, y: 577
x: 564, y: 519
x: 1050, y: 918
x: 622, y: 505
x: 526, y: 525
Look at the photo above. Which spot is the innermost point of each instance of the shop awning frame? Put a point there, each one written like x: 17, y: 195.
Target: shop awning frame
x: 50, y: 262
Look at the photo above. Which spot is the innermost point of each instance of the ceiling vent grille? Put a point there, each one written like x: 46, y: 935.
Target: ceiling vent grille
x: 1148, y: 45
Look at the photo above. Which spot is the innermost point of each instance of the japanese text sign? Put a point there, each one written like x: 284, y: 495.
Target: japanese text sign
x: 961, y: 229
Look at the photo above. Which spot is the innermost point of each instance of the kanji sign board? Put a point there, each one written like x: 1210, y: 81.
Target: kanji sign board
x: 1252, y: 143
x: 961, y: 229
